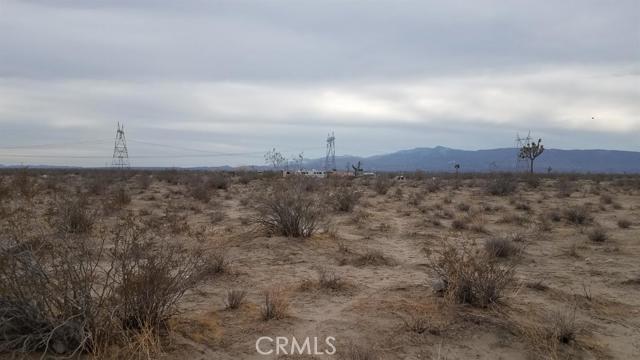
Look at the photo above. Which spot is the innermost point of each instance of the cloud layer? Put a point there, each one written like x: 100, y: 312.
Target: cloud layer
x: 232, y: 79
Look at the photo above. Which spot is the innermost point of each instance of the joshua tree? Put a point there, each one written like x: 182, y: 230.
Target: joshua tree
x: 357, y: 170
x: 457, y: 167
x: 531, y: 151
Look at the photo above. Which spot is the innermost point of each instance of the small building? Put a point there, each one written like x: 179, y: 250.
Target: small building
x: 309, y: 173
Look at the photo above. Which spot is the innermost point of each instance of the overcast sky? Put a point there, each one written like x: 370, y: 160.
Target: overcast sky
x: 221, y: 82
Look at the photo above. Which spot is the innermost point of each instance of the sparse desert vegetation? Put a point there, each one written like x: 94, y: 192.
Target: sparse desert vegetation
x: 183, y: 264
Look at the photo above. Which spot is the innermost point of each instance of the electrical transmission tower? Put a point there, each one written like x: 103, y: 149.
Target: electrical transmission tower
x: 120, y: 153
x: 521, y: 164
x: 330, y: 159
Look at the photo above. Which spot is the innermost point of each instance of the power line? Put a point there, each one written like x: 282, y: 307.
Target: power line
x: 52, y: 145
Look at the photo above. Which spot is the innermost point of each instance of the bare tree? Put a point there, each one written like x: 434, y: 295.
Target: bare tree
x: 274, y: 158
x: 530, y: 151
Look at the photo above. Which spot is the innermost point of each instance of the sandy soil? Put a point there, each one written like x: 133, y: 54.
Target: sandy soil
x: 560, y: 270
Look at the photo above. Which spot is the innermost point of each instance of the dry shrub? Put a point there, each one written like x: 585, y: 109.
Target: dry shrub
x: 532, y: 180
x: 471, y: 276
x: 373, y: 258
x: 501, y: 247
x: 218, y: 180
x: 25, y: 184
x: 345, y: 198
x: 68, y: 295
x: 577, y: 215
x: 73, y: 216
x: 433, y: 185
x: 538, y: 285
x: 200, y: 191
x: 120, y: 197
x: 550, y: 338
x: 421, y: 321
x: 235, y: 298
x: 624, y: 223
x: 276, y: 304
x: 219, y: 264
x: 5, y: 193
x: 565, y: 187
x: 598, y: 234
x: 463, y: 207
x: 502, y: 185
x: 606, y: 199
x: 246, y: 177
x: 329, y: 280
x: 290, y: 211
x: 459, y: 224
x: 98, y: 185
x: 382, y: 185
x: 175, y: 219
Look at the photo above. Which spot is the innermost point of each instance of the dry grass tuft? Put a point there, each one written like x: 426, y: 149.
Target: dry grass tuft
x: 624, y: 223
x: 501, y: 247
x: 330, y: 280
x: 276, y: 304
x: 373, y: 258
x: 235, y: 298
x: 598, y: 234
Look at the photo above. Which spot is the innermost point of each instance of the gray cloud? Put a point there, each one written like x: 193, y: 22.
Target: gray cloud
x: 242, y: 76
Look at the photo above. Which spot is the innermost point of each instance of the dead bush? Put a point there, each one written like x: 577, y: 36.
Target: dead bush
x: 219, y: 264
x: 218, y: 180
x: 550, y: 337
x: 563, y: 327
x: 200, y: 191
x: 565, y: 187
x: 501, y: 247
x: 470, y: 276
x: 276, y: 304
x: 120, y: 197
x: 373, y: 258
x: 235, y: 298
x: 433, y: 185
x: 606, y: 199
x: 459, y: 224
x: 73, y: 216
x: 345, y: 198
x: 68, y: 295
x: 25, y: 183
x: 382, y: 185
x: 502, y: 185
x: 290, y: 211
x: 624, y: 223
x: 577, y: 215
x: 152, y: 275
x: 329, y: 280
x: 598, y: 234
x: 532, y: 180
x: 463, y: 207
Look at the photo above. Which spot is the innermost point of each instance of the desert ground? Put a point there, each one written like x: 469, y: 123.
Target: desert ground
x: 200, y: 265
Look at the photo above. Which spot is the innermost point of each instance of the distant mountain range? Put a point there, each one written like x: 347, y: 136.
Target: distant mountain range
x: 443, y: 159
x: 439, y: 159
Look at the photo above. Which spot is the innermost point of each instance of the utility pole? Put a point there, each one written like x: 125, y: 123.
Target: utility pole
x: 120, y: 152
